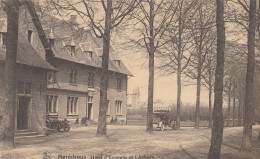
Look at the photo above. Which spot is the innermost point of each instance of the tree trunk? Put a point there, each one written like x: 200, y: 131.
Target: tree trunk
x: 149, y: 127
x: 178, y: 121
x: 8, y: 109
x: 229, y: 102
x: 234, y: 104
x: 197, y: 112
x: 239, y: 107
x: 101, y: 130
x: 249, y: 108
x: 217, y: 129
x: 210, y: 105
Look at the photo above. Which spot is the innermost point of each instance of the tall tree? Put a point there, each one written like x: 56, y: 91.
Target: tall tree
x: 217, y: 129
x: 149, y: 126
x: 11, y: 8
x: 114, y: 13
x: 149, y: 24
x: 208, y: 76
x: 201, y: 29
x: 249, y: 107
x: 175, y: 55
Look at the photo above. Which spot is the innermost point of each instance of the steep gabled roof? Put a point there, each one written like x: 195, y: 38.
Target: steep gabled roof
x: 27, y: 55
x: 65, y: 32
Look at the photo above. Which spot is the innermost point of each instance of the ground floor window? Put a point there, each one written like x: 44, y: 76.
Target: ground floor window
x: 72, y: 105
x: 108, y: 107
x: 118, y: 107
x: 52, y: 106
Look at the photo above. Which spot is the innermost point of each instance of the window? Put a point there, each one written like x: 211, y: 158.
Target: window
x: 51, y: 104
x: 72, y: 105
x: 30, y: 32
x: 117, y: 62
x: 51, y: 42
x: 91, y: 80
x: 73, y: 74
x: 88, y: 54
x: 51, y: 77
x: 90, y: 99
x: 24, y: 88
x: 108, y: 107
x: 119, y: 84
x: 118, y: 107
x: 3, y: 38
x: 72, y: 50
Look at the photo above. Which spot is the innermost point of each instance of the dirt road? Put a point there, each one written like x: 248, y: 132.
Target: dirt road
x: 126, y: 142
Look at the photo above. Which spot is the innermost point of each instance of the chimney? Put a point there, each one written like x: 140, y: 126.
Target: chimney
x: 73, y: 19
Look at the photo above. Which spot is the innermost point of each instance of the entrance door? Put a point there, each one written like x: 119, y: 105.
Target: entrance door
x: 22, y: 113
x: 89, y: 111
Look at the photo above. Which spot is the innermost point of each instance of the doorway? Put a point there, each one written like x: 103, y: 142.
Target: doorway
x: 22, y: 113
x: 89, y: 111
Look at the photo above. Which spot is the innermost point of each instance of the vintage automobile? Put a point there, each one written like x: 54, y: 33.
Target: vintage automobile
x: 57, y: 125
x: 161, y: 120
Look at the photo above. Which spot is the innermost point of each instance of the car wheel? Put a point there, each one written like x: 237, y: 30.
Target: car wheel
x: 162, y: 127
x: 66, y: 127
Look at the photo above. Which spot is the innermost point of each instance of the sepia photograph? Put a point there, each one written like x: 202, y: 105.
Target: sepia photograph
x: 129, y: 79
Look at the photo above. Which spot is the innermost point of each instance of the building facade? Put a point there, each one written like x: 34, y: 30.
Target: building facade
x: 73, y: 92
x: 65, y: 84
x: 31, y: 86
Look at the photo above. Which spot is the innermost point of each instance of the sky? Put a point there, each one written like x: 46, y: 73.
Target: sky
x: 165, y: 88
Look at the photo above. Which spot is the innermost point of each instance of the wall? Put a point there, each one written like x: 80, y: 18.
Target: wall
x: 62, y: 75
x: 36, y: 109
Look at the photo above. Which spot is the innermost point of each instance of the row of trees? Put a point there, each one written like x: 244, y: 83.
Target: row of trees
x: 183, y: 36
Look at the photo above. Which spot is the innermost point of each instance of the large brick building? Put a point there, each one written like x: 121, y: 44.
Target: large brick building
x: 73, y: 91
x: 68, y: 86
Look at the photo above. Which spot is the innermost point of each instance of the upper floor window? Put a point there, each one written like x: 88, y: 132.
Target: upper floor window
x: 51, y: 103
x: 24, y: 88
x: 90, y: 99
x: 29, y: 34
x: 51, y: 77
x: 119, y: 84
x: 91, y: 79
x: 2, y: 39
x: 72, y: 105
x: 118, y: 107
x: 73, y: 75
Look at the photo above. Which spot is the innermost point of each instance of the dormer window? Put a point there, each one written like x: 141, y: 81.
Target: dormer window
x: 72, y: 50
x: 29, y: 33
x: 117, y: 62
x: 51, y: 41
x: 71, y: 46
x: 51, y: 38
x: 88, y: 54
